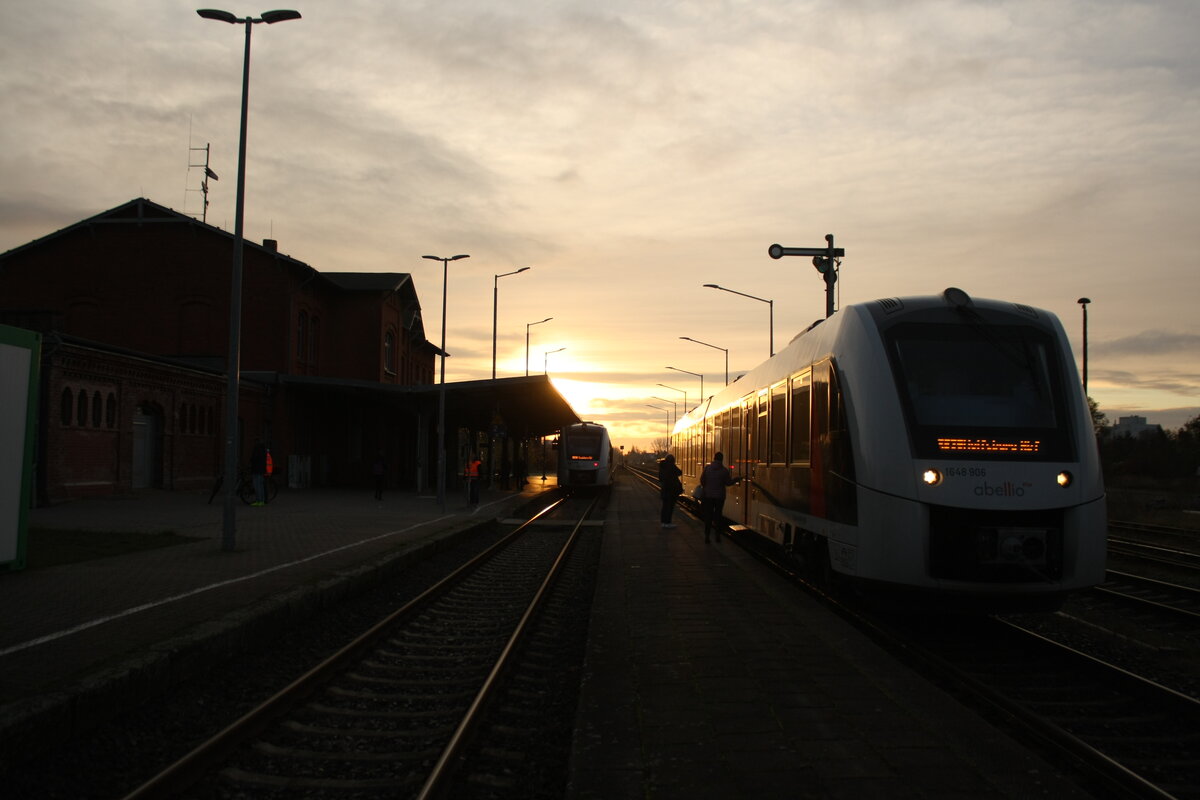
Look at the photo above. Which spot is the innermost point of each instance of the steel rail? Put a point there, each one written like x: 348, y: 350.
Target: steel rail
x: 1183, y: 594
x: 443, y: 769
x: 181, y: 773
x: 1156, y: 553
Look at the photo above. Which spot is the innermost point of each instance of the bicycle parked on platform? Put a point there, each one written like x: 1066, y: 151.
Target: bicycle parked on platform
x: 245, y: 488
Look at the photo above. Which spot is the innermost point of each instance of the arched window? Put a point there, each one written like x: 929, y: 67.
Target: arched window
x: 110, y: 411
x: 182, y: 418
x: 389, y: 352
x: 97, y: 409
x: 192, y: 419
x: 68, y: 406
x: 81, y: 408
x: 314, y: 339
x: 302, y: 336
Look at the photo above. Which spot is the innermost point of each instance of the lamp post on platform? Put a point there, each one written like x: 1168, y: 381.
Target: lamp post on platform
x: 674, y: 407
x: 660, y: 408
x: 527, y: 327
x: 770, y: 303
x: 233, y: 365
x: 1083, y: 303
x: 714, y: 347
x: 546, y: 363
x: 673, y: 389
x: 698, y: 375
x: 441, y: 426
x: 496, y: 308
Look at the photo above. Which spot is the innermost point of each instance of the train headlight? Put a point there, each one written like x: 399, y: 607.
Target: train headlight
x: 1065, y: 479
x: 932, y: 477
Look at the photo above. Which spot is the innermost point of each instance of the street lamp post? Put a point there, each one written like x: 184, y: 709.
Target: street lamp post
x: 674, y: 407
x: 714, y: 347
x: 546, y: 361
x: 660, y: 408
x: 441, y: 426
x: 770, y: 303
x: 495, y: 309
x: 1083, y: 303
x: 698, y: 375
x: 233, y: 365
x: 527, y: 327
x: 673, y: 389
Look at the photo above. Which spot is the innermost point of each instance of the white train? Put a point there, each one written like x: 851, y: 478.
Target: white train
x: 940, y: 446
x: 584, y: 456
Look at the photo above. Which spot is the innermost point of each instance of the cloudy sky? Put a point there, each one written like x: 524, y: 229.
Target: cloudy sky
x: 630, y: 152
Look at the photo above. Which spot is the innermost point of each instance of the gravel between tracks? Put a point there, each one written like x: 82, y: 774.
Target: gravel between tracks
x: 119, y: 756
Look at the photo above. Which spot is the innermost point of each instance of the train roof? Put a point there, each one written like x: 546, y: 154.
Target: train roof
x: 815, y: 342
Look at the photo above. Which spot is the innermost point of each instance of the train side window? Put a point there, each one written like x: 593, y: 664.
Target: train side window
x: 761, y: 429
x: 801, y: 394
x: 721, y: 436
x: 736, y: 437
x: 778, y: 420
x: 689, y: 451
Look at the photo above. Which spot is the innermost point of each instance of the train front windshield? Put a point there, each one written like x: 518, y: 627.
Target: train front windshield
x: 981, y: 391
x: 583, y: 447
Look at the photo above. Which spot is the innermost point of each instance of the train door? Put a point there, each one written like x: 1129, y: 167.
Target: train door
x: 738, y: 460
x: 833, y: 489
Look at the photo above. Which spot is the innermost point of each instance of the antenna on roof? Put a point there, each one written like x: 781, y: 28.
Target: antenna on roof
x: 204, y: 177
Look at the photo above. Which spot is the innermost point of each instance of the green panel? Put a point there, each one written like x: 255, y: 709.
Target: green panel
x: 20, y: 359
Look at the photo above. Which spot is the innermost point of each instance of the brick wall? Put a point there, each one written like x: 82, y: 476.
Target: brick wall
x: 92, y: 447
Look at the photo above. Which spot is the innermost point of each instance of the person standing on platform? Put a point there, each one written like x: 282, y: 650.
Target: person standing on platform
x: 669, y: 488
x: 378, y: 471
x: 714, y: 479
x: 258, y: 469
x: 473, y: 465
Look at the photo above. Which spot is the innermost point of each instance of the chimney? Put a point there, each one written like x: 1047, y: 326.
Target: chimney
x: 271, y: 244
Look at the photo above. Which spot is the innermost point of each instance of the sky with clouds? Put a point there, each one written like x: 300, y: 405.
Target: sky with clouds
x: 630, y: 152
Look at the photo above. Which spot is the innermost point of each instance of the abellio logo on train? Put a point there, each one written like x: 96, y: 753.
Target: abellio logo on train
x: 1006, y: 489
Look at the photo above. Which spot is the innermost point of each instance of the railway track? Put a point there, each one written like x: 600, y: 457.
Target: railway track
x: 1155, y: 544
x: 1136, y: 738
x: 1169, y: 600
x: 434, y: 700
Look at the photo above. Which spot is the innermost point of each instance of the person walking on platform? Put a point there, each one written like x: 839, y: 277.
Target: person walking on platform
x: 715, y: 477
x: 258, y: 468
x: 669, y: 488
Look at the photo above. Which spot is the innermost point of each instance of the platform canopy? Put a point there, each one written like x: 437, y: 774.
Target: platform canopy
x: 522, y: 407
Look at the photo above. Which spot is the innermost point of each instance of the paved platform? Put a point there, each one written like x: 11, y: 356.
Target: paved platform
x: 708, y: 676
x: 77, y: 640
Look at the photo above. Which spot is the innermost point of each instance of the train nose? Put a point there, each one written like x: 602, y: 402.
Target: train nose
x: 1028, y: 548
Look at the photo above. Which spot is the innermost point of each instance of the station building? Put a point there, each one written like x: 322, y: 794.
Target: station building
x: 133, y: 309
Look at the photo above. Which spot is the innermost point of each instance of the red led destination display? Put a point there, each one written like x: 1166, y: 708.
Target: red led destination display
x: 961, y: 444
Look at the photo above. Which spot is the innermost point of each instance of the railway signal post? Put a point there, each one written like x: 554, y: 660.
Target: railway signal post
x: 824, y: 259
